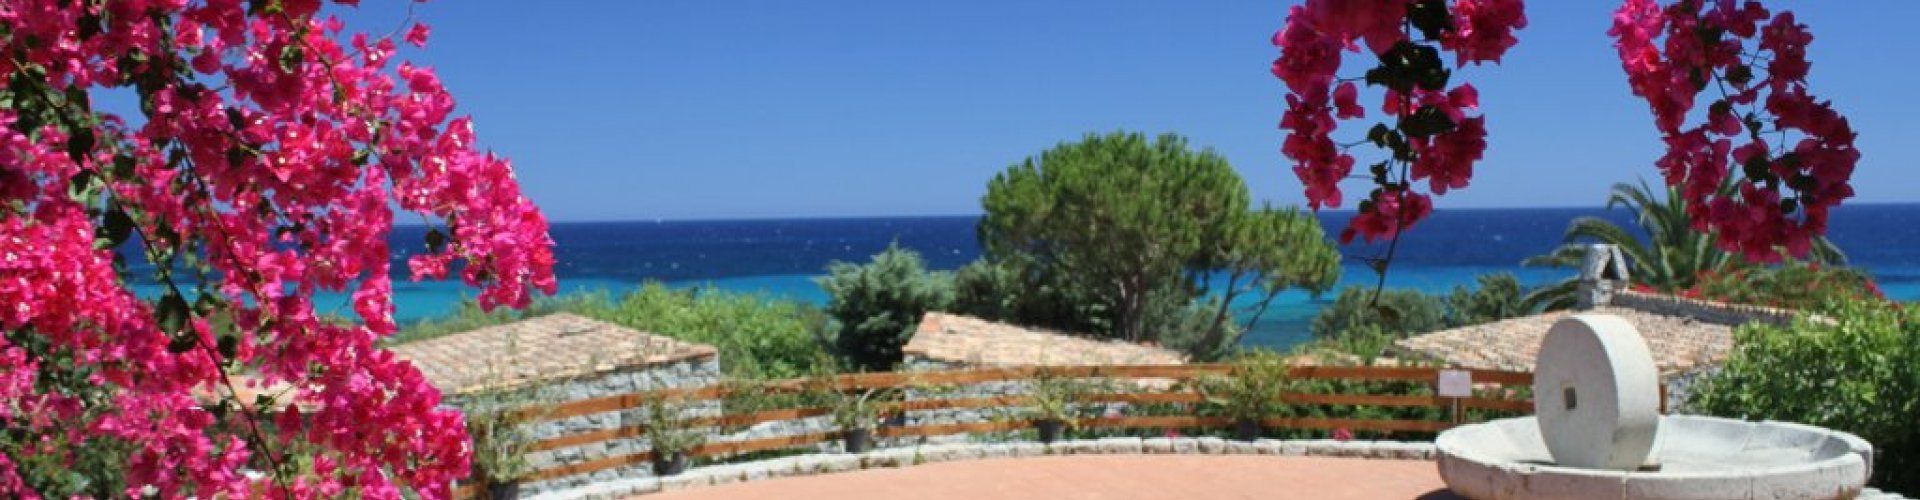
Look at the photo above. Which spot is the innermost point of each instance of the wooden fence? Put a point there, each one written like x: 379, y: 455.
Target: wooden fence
x: 1493, y: 392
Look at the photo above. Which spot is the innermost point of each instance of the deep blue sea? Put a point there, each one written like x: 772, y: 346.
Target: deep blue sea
x: 782, y: 257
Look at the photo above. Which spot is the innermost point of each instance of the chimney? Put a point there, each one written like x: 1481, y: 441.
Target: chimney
x: 1602, y: 273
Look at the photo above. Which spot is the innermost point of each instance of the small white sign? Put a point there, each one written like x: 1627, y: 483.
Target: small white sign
x: 1456, y: 384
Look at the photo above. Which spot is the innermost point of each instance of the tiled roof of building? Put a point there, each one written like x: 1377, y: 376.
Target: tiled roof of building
x: 1678, y: 343
x: 552, y: 347
x: 972, y: 341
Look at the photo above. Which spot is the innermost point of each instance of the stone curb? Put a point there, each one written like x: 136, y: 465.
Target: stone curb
x: 806, y: 465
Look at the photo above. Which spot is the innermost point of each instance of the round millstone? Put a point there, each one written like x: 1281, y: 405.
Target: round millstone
x: 1596, y: 393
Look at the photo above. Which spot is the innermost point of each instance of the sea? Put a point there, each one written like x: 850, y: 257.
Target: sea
x: 782, y: 258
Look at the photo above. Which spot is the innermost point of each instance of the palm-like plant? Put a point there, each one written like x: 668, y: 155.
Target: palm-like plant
x: 1673, y: 257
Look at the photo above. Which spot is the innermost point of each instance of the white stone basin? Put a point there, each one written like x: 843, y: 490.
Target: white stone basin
x: 1697, y: 458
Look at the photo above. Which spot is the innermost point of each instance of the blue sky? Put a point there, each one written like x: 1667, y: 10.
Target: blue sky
x: 728, y: 109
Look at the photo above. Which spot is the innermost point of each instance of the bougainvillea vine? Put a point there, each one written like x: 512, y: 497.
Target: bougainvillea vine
x: 1794, y: 155
x: 268, y: 153
x: 1434, y: 134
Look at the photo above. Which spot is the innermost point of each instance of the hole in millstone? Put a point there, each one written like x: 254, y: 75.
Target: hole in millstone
x: 1572, y: 400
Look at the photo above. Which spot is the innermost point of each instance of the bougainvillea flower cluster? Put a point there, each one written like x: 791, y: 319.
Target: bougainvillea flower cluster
x: 1435, y: 136
x: 271, y: 149
x: 1793, y: 153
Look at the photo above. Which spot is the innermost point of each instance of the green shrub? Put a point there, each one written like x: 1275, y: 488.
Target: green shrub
x: 670, y: 428
x: 1499, y: 297
x: 1187, y: 325
x: 1354, y: 325
x: 1399, y: 312
x: 1014, y: 290
x: 1858, y: 373
x: 1251, y: 387
x: 878, y: 305
x: 1793, y: 285
x: 500, y: 438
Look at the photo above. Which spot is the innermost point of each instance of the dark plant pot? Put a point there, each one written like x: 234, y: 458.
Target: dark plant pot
x: 503, y: 491
x: 1050, y: 429
x: 669, y: 465
x: 857, y: 440
x: 1246, y: 429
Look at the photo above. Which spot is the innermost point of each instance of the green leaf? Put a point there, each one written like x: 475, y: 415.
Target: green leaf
x: 206, y: 304
x: 1430, y: 17
x: 1739, y: 75
x: 229, y: 347
x: 436, y: 240
x: 80, y: 143
x: 1426, y: 122
x: 291, y: 57
x: 172, y: 313
x: 1408, y: 65
x: 115, y: 227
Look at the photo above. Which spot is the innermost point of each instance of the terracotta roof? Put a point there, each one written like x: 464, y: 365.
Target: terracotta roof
x: 1679, y: 343
x: 535, y: 350
x: 967, y: 340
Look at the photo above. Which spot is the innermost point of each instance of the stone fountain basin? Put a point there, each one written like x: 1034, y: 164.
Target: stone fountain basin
x: 1698, y: 458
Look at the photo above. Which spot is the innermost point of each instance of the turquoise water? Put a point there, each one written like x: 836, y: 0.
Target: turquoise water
x: 781, y: 258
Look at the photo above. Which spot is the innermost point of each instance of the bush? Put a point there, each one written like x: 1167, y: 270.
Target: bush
x: 1354, y: 326
x: 1185, y: 324
x: 1794, y: 285
x: 1499, y: 297
x: 1399, y: 312
x: 878, y: 305
x: 757, y: 337
x: 1858, y: 373
x: 1251, y: 388
x: 1014, y: 290
x: 501, y: 440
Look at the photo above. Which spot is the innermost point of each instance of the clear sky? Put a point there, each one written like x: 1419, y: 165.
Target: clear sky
x: 727, y: 109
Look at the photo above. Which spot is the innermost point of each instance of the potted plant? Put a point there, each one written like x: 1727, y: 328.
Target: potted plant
x: 671, y: 435
x: 855, y: 415
x: 500, y: 444
x: 1052, y: 406
x: 1249, y: 392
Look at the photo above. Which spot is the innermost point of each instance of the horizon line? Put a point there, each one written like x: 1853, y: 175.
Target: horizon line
x: 765, y: 218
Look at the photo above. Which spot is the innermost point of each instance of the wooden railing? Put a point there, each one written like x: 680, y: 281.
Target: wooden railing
x: 1492, y: 393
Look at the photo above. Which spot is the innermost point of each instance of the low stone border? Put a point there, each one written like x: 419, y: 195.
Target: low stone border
x: 805, y: 465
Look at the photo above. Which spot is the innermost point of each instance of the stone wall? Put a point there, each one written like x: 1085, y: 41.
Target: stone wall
x: 694, y: 372
x: 956, y: 415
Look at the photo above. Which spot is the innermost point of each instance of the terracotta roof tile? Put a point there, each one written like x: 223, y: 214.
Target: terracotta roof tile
x: 967, y: 340
x: 1678, y: 343
x: 534, y: 350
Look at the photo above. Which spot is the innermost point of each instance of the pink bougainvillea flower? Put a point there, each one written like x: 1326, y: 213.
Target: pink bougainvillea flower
x: 417, y: 35
x: 1342, y: 434
x: 1780, y: 198
x: 1311, y: 43
x: 276, y: 157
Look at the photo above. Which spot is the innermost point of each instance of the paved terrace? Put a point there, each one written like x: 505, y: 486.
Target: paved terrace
x: 1117, y: 477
